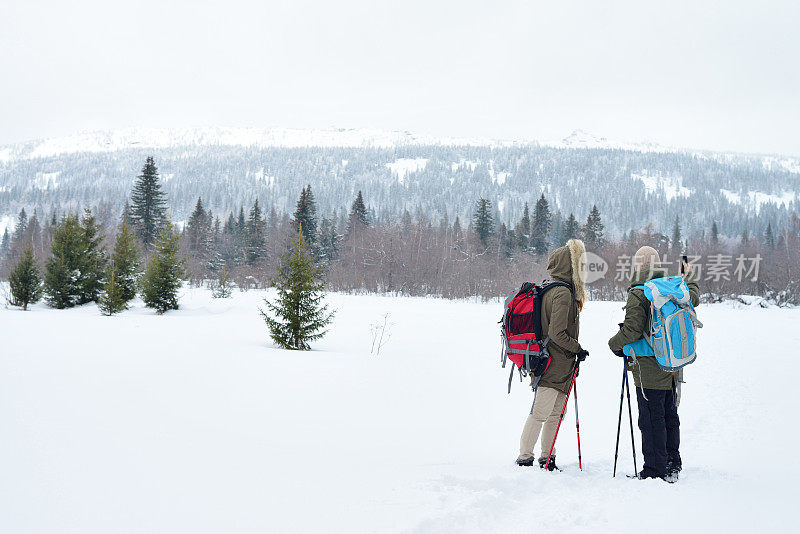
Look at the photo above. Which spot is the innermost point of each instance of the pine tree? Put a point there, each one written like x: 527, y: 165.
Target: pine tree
x: 33, y: 233
x: 162, y: 278
x: 540, y: 226
x: 523, y: 229
x: 215, y: 260
x: 112, y: 300
x: 769, y: 237
x: 593, y: 230
x: 25, y: 280
x: 328, y: 240
x: 571, y: 229
x: 745, y: 238
x: 125, y: 262
x: 21, y: 227
x: 197, y: 229
x: 256, y: 231
x: 714, y: 233
x: 458, y: 233
x: 223, y: 288
x: 126, y: 213
x: 483, y: 221
x: 358, y: 213
x: 92, y: 264
x: 75, y: 273
x: 148, y: 212
x: 676, y: 235
x: 5, y: 244
x: 305, y: 216
x: 298, y: 315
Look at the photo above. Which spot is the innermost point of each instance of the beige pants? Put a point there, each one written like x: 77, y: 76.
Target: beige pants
x: 546, y: 411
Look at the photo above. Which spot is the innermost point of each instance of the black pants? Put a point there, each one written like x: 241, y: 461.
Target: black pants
x: 660, y: 426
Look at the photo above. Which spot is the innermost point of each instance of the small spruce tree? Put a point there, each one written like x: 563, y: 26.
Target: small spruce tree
x: 91, y: 260
x: 223, y: 288
x: 305, y: 216
x: 25, y: 280
x: 540, y: 227
x: 5, y: 244
x: 483, y: 221
x: 148, y: 210
x: 358, y: 213
x: 298, y: 315
x: 676, y: 235
x: 593, y: 230
x: 62, y: 269
x: 125, y: 260
x: 571, y: 229
x: 162, y: 278
x: 112, y: 300
x: 256, y: 231
x: 769, y: 237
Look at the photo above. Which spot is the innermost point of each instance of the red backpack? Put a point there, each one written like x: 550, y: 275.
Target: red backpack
x: 523, y: 341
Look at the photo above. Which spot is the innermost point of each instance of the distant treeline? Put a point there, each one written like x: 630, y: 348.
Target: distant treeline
x: 414, y: 254
x: 736, y: 191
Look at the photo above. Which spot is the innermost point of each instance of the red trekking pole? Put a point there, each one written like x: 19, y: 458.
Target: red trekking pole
x: 561, y: 418
x: 577, y: 423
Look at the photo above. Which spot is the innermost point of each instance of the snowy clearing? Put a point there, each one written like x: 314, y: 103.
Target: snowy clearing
x: 671, y: 186
x: 756, y: 199
x: 402, y: 167
x: 194, y: 422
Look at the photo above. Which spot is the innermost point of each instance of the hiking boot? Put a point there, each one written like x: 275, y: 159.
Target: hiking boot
x: 552, y: 466
x: 525, y: 462
x: 643, y: 475
x: 673, y: 468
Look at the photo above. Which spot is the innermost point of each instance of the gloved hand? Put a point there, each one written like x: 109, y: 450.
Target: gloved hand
x: 582, y: 354
x: 621, y: 325
x: 619, y: 353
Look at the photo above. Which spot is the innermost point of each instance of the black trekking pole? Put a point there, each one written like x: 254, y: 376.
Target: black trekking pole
x: 619, y: 420
x: 630, y: 420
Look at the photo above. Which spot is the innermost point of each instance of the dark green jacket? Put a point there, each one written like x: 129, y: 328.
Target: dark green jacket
x: 560, y: 322
x: 645, y: 370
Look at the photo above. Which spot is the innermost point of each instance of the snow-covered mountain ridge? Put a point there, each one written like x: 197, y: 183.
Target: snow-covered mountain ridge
x: 126, y: 138
x: 397, y: 171
x: 143, y: 137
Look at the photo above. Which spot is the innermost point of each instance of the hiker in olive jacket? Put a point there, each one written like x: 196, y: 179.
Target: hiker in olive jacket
x: 560, y: 308
x: 656, y: 390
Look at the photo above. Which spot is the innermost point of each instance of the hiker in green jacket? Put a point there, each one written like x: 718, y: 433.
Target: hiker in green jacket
x: 657, y: 391
x: 560, y: 309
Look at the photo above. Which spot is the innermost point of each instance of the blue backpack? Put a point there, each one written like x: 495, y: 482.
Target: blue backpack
x: 672, y: 334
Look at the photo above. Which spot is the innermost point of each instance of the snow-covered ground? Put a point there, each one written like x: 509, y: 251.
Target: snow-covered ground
x: 194, y: 422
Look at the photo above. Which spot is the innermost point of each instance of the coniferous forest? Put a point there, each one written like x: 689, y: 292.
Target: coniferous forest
x: 106, y: 255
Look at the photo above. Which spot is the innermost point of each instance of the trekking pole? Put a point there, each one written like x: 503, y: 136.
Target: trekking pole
x: 619, y: 419
x: 630, y: 420
x: 577, y: 422
x: 561, y: 418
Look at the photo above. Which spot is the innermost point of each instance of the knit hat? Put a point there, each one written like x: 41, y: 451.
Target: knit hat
x: 646, y: 258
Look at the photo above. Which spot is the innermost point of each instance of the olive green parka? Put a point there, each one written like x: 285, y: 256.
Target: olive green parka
x: 560, y: 315
x: 646, y: 372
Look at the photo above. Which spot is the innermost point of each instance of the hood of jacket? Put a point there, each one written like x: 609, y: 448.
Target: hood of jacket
x: 568, y: 264
x: 640, y: 276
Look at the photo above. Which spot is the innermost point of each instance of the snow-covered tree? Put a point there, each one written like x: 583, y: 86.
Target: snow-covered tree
x: 483, y: 221
x: 298, y: 315
x: 25, y: 280
x: 148, y: 211
x: 162, y: 278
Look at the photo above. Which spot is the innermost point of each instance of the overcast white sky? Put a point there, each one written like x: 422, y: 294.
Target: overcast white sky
x: 720, y: 75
